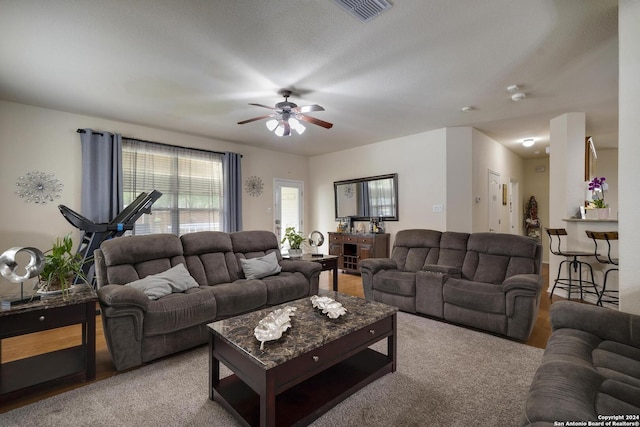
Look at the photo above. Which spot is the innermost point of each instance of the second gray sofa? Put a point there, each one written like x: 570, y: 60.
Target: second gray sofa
x: 139, y: 329
x: 489, y: 281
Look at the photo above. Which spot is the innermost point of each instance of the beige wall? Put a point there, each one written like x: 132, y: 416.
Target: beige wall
x: 629, y: 153
x: 490, y: 155
x: 40, y: 139
x: 440, y: 167
x: 536, y: 183
x: 417, y: 159
x: 607, y: 166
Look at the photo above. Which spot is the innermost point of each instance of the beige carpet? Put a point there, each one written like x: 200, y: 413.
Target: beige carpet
x: 447, y: 376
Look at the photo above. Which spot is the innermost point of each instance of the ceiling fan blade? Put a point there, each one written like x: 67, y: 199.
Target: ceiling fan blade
x: 307, y: 108
x: 263, y: 106
x: 315, y: 121
x: 257, y: 118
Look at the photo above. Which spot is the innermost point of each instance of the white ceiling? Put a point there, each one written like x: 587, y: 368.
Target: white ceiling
x: 194, y: 65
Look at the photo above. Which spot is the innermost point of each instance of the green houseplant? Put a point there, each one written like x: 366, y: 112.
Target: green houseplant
x: 61, y: 266
x: 295, y: 239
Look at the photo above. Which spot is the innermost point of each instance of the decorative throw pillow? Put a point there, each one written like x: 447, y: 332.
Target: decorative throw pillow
x: 176, y: 279
x: 257, y: 268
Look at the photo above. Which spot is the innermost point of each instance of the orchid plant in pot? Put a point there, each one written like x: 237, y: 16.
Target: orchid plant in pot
x: 597, y: 186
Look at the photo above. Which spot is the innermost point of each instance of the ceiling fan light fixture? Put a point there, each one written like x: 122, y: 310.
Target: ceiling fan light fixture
x: 279, y: 130
x: 272, y: 124
x: 295, y: 124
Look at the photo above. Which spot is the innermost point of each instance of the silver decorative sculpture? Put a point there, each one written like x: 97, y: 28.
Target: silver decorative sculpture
x: 9, y: 265
x: 333, y: 309
x: 274, y: 325
x: 315, y: 239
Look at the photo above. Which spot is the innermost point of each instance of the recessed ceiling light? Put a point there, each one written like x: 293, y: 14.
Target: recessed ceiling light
x: 518, y: 96
x: 528, y: 142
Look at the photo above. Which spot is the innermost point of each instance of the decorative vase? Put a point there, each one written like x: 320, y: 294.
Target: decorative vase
x: 603, y: 213
x: 295, y: 253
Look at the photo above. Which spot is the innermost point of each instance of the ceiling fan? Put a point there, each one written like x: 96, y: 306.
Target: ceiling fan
x: 287, y: 115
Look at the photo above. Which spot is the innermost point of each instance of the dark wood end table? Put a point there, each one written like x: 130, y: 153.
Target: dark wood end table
x: 328, y: 262
x: 23, y: 376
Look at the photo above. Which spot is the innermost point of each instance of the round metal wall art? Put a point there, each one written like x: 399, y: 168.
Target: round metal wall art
x: 254, y: 186
x: 38, y: 187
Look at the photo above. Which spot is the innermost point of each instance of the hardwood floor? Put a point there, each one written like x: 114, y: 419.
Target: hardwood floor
x: 43, y: 342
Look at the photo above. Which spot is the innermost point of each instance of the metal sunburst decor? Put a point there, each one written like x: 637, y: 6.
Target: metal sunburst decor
x: 38, y: 187
x: 253, y: 186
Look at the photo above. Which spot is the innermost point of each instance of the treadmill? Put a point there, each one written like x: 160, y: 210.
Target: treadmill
x: 94, y: 234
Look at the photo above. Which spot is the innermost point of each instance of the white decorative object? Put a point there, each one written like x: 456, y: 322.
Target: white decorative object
x: 274, y: 325
x: 330, y: 307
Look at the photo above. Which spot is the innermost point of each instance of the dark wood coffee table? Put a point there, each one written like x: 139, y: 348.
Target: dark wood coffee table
x: 316, y: 364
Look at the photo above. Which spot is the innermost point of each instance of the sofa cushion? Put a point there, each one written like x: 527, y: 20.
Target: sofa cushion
x: 286, y: 286
x: 395, y: 282
x: 130, y: 258
x: 493, y: 257
x: 179, y: 311
x: 239, y: 297
x: 259, y: 267
x: 582, y: 376
x: 483, y: 297
x: 176, y: 279
x: 412, y: 249
x: 453, y: 248
x: 209, y: 257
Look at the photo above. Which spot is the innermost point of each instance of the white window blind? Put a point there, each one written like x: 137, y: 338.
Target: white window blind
x: 190, y: 182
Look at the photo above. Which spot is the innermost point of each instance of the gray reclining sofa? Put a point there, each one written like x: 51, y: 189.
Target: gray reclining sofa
x: 590, y: 370
x: 139, y: 329
x: 489, y: 281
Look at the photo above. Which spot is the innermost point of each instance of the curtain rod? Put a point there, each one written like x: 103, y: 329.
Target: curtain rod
x: 158, y: 143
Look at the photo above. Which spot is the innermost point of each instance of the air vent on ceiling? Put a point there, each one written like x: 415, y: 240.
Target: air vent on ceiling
x: 364, y: 10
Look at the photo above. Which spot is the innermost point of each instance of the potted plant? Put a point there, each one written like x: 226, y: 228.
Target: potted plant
x: 295, y: 239
x: 61, y: 266
x: 597, y: 186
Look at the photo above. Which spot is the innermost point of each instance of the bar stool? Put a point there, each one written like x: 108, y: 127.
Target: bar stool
x: 573, y: 263
x: 607, y: 236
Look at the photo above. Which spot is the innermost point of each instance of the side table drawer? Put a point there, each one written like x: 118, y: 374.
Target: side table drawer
x: 308, y: 364
x: 335, y: 238
x: 40, y: 320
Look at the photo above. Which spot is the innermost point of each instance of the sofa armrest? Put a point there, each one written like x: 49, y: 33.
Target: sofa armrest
x: 602, y: 322
x: 532, y: 282
x: 373, y: 265
x: 307, y: 268
x: 122, y: 296
x: 443, y: 269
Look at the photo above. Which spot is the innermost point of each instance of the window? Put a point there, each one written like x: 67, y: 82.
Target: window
x: 191, y: 183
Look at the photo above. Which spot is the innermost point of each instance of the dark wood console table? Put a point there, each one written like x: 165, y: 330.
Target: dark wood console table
x: 351, y: 248
x: 68, y: 365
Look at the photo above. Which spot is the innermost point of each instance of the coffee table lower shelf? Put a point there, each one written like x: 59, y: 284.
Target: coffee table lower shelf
x: 310, y: 399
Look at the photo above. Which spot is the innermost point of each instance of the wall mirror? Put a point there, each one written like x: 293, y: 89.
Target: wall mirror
x: 366, y: 198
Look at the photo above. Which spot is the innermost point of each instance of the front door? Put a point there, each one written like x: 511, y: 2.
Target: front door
x: 288, y: 203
